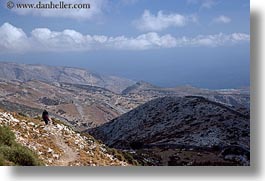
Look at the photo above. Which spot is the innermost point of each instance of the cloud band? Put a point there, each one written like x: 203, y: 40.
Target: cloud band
x: 13, y: 39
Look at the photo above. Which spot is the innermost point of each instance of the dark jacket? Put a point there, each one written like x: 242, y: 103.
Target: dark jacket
x: 45, y: 117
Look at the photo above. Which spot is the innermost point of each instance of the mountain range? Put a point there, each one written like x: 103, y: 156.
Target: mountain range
x: 87, y: 99
x: 182, y: 125
x: 27, y: 72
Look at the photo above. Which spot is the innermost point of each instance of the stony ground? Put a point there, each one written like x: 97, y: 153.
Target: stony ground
x: 57, y: 144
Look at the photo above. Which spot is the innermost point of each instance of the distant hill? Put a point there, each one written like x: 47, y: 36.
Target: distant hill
x: 27, y: 72
x: 189, y: 122
x: 187, y: 130
x: 237, y: 98
x: 140, y: 86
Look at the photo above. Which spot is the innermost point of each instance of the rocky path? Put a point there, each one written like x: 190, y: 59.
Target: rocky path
x: 57, y: 144
x: 69, y: 155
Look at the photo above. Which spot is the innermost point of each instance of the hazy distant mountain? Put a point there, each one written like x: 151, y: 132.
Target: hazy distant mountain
x: 140, y: 86
x: 26, y: 72
x: 237, y: 98
x: 189, y: 121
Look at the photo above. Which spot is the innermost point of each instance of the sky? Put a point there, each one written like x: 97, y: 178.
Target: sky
x: 202, y: 43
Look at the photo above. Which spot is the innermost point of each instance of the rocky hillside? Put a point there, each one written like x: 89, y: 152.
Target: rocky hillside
x: 26, y: 72
x: 178, y: 122
x: 58, y: 145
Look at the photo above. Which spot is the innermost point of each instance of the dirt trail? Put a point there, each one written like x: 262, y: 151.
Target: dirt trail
x: 69, y: 154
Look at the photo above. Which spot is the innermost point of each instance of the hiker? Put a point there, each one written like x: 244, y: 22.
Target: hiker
x: 45, y: 117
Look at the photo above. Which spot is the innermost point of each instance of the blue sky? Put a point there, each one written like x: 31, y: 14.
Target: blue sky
x: 203, y: 43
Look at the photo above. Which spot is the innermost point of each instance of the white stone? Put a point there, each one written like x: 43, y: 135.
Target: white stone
x: 60, y: 127
x: 56, y: 156
x: 40, y: 153
x: 31, y: 124
x: 50, y: 150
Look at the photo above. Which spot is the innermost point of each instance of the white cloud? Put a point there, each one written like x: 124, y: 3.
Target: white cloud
x: 204, y: 4
x: 161, y: 21
x: 96, y: 8
x: 142, y: 42
x: 218, y: 39
x: 222, y: 19
x: 208, y: 4
x: 47, y: 40
x: 14, y: 40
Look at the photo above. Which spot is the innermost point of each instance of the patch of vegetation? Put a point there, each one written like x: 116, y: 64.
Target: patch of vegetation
x: 124, y: 156
x: 12, y: 153
x: 7, y: 137
x: 130, y: 159
x: 147, y: 157
x: 2, y: 160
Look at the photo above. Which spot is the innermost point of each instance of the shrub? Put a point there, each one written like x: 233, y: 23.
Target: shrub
x: 10, y: 151
x: 123, y: 156
x: 7, y: 137
x: 119, y: 157
x: 2, y: 160
x: 129, y: 158
x: 20, y: 155
x: 117, y: 154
